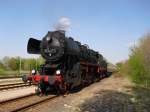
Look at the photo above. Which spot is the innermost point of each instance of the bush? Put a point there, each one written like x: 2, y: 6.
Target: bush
x: 137, y: 67
x: 1, y: 71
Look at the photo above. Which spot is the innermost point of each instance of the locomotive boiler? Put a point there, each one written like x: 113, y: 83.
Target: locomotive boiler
x: 68, y: 63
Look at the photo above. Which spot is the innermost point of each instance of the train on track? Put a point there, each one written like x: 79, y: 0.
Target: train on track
x: 68, y: 63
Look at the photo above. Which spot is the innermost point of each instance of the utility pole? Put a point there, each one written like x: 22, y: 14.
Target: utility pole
x: 19, y: 65
x: 36, y: 64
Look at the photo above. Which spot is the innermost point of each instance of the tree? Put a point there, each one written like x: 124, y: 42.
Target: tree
x: 1, y: 65
x: 138, y: 65
x: 13, y: 64
x: 5, y: 62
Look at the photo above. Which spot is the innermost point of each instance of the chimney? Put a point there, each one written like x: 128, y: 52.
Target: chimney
x: 62, y: 31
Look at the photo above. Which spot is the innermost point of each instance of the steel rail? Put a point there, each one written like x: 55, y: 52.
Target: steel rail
x: 33, y: 104
x: 14, y: 86
x: 17, y: 98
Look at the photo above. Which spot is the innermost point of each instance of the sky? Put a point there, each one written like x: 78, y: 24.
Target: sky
x: 107, y: 26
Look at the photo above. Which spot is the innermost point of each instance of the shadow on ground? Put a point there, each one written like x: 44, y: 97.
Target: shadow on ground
x: 109, y: 101
x: 113, y: 101
x: 142, y: 99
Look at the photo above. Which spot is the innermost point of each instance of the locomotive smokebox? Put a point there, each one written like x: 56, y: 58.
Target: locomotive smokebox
x: 52, y: 46
x: 33, y: 46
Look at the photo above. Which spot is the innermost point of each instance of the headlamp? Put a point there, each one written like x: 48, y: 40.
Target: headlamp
x: 57, y: 72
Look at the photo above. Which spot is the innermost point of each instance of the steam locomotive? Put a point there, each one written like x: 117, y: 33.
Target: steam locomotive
x: 68, y: 63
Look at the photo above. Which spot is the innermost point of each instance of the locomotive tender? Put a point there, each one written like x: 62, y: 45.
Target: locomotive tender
x: 68, y: 63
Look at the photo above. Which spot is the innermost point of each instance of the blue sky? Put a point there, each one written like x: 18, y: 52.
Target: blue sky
x: 108, y: 26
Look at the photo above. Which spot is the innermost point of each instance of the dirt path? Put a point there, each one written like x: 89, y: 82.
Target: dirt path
x: 113, y: 94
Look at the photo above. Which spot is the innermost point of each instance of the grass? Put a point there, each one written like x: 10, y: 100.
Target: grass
x: 11, y: 73
x: 2, y: 71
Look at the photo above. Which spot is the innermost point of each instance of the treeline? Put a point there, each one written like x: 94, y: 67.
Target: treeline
x: 137, y: 67
x: 18, y: 63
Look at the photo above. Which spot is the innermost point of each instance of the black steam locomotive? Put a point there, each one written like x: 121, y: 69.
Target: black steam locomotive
x: 68, y: 63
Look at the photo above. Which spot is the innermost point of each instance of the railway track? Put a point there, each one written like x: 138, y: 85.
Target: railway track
x: 24, y: 102
x: 14, y: 85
